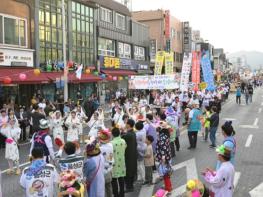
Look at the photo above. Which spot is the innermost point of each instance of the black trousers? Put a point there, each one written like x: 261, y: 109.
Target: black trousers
x: 118, y: 187
x: 177, y: 143
x: 238, y: 99
x: 23, y: 131
x: 172, y: 149
x: 129, y: 182
x: 192, y: 136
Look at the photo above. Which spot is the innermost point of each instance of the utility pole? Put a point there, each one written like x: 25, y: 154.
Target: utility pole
x: 64, y: 53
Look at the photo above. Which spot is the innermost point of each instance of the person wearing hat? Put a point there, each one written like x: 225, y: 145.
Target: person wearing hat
x: 194, y: 124
x: 106, y: 149
x: 221, y: 181
x: 12, y: 133
x: 93, y: 169
x: 43, y: 140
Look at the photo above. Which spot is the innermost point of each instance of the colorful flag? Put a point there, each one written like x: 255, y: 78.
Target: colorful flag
x: 196, y: 69
x: 79, y: 71
x: 159, y: 62
x: 207, y: 71
x: 186, y: 69
x: 169, y: 63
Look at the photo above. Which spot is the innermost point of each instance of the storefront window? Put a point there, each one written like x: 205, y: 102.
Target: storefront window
x: 120, y: 21
x: 106, y: 47
x: 139, y: 53
x: 124, y: 50
x: 11, y: 31
x: 106, y: 15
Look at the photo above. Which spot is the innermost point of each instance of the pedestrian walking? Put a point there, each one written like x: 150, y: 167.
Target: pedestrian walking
x: 246, y: 93
x: 149, y: 160
x: 94, y: 169
x: 214, y: 122
x: 130, y: 155
x: 250, y: 91
x: 12, y: 133
x: 119, y: 167
x: 194, y: 125
x: 207, y: 115
x: 238, y: 95
x: 106, y: 149
x: 32, y: 182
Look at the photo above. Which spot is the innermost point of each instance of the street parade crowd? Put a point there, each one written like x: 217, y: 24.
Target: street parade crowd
x: 77, y: 150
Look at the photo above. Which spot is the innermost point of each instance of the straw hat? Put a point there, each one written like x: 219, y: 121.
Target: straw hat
x: 44, y: 124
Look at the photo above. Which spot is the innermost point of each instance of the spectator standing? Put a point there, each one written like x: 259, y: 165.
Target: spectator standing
x: 149, y: 160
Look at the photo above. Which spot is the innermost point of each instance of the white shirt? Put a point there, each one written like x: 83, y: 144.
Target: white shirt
x: 107, y: 152
x: 40, y: 184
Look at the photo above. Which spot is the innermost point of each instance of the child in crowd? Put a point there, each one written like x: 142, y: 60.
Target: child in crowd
x: 149, y: 160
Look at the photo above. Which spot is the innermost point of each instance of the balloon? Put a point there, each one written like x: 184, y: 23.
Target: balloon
x: 36, y: 71
x: 22, y: 76
x: 96, y: 73
x: 126, y: 78
x: 7, y: 80
x: 120, y: 78
x: 70, y: 64
x: 60, y: 65
x: 110, y: 77
x: 103, y: 76
x: 87, y: 71
x: 115, y: 78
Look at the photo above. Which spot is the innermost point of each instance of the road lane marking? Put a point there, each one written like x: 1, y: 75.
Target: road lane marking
x: 262, y: 104
x: 259, y: 110
x: 248, y: 126
x: 255, y: 122
x: 236, y: 178
x: 229, y: 119
x: 249, y: 140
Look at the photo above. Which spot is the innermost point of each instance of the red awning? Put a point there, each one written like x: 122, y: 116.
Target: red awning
x: 14, y: 73
x: 119, y: 72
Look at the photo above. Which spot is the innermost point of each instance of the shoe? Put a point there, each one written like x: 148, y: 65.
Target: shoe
x: 145, y: 183
x: 18, y: 171
x: 212, y: 146
x: 190, y: 147
x: 9, y: 171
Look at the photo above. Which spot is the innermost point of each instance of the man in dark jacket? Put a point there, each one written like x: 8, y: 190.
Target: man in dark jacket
x: 250, y: 92
x: 130, y: 155
x: 214, y: 122
x: 36, y: 116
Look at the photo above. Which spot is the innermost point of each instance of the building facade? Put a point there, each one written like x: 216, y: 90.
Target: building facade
x: 165, y: 33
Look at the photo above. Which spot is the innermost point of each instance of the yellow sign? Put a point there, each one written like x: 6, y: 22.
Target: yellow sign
x: 203, y: 85
x: 111, y: 62
x: 169, y: 63
x: 159, y: 62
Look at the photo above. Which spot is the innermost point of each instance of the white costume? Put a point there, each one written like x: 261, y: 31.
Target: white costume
x: 222, y: 184
x: 82, y: 117
x: 117, y: 118
x: 73, y: 129
x: 57, y: 129
x: 95, y: 126
x: 12, y: 134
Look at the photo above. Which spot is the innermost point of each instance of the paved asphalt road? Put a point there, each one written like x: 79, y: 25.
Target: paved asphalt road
x: 247, y: 121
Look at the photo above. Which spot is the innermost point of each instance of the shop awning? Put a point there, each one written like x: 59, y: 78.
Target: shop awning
x: 14, y: 73
x: 119, y: 72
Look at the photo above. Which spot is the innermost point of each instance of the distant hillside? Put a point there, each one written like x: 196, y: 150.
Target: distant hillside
x: 253, y: 58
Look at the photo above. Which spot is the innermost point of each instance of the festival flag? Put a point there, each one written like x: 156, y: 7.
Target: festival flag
x: 159, y: 62
x: 196, y: 69
x: 79, y: 71
x: 187, y: 61
x: 207, y: 71
x: 169, y: 63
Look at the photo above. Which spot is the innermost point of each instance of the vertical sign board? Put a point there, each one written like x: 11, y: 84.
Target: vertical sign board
x: 186, y: 69
x: 167, y: 24
x: 196, y: 69
x: 207, y: 71
x: 159, y: 62
x: 186, y: 39
x: 153, y: 49
x: 169, y: 62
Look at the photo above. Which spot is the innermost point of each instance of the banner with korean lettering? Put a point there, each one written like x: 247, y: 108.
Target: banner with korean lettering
x: 154, y: 82
x: 169, y: 63
x: 207, y: 71
x: 159, y: 62
x: 196, y: 69
x: 186, y: 69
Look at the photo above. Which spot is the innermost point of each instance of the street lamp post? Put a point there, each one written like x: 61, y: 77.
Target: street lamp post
x: 64, y: 52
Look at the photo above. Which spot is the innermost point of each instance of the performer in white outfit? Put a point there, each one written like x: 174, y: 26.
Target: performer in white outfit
x: 73, y: 124
x: 82, y: 117
x: 95, y: 124
x: 12, y: 133
x: 56, y: 126
x: 221, y: 182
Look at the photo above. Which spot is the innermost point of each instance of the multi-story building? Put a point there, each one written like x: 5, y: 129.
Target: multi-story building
x: 165, y: 33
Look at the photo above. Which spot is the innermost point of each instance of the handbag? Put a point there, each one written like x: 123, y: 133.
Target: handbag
x: 88, y: 183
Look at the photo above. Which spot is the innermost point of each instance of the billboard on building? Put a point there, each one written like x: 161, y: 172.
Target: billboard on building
x: 167, y: 24
x: 187, y: 38
x: 153, y: 50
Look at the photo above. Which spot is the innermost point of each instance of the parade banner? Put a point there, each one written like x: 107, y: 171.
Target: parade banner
x: 169, y: 63
x: 196, y: 69
x: 186, y: 71
x: 159, y: 62
x: 154, y: 82
x: 207, y: 71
